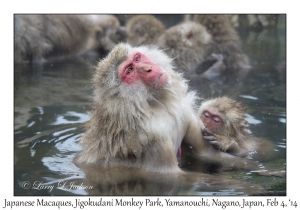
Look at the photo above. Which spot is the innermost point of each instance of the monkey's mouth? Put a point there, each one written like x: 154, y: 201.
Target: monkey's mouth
x: 156, y: 81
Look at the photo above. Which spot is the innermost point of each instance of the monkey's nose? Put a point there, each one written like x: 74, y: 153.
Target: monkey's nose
x: 142, y: 68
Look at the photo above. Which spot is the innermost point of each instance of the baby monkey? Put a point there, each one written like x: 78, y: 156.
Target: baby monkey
x: 226, y: 129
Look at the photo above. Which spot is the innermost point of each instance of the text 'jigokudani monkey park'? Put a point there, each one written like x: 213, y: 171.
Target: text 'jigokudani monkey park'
x: 158, y: 109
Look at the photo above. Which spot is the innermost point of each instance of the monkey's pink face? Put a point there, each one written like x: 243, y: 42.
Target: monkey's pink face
x: 212, y: 120
x: 138, y: 67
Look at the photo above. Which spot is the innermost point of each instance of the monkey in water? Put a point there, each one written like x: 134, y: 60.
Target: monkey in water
x: 225, y: 42
x: 40, y: 38
x: 142, y: 111
x: 226, y: 129
x: 187, y: 43
x: 137, y: 93
x: 143, y: 30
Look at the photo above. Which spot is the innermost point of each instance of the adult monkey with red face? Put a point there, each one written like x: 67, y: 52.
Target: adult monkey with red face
x: 142, y: 111
x: 137, y: 94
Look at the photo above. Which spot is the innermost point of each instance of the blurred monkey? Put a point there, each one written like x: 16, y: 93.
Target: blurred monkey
x: 39, y: 38
x: 225, y: 42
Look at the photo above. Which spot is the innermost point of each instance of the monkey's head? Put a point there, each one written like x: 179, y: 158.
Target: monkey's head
x: 224, y: 116
x: 108, y: 27
x: 188, y: 34
x: 143, y: 29
x: 134, y: 74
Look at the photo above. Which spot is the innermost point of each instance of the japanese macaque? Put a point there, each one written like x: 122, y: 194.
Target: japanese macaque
x: 39, y: 38
x: 186, y: 43
x: 136, y: 94
x: 225, y: 42
x: 143, y: 29
x: 226, y: 129
x: 142, y: 111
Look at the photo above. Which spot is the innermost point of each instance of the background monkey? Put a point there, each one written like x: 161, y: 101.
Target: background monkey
x: 226, y: 129
x: 40, y: 38
x: 143, y: 29
x: 186, y: 43
x: 225, y: 42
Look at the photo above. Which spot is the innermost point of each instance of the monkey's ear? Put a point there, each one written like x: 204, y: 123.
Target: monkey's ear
x: 190, y: 34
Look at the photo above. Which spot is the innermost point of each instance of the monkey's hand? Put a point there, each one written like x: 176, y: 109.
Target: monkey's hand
x: 220, y: 142
x: 211, y: 138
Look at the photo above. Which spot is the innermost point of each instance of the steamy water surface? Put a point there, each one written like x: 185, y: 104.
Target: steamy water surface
x: 51, y: 104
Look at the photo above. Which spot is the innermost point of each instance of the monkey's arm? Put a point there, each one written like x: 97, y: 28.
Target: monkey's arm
x: 212, y: 67
x: 192, y: 136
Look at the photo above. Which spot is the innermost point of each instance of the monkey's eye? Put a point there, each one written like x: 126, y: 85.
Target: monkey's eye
x: 206, y: 114
x: 129, y: 70
x: 137, y: 58
x: 217, y: 120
